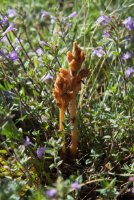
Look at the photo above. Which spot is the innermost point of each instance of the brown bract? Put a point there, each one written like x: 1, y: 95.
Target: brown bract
x: 77, y: 80
x: 75, y: 58
x: 68, y: 82
x: 62, y: 89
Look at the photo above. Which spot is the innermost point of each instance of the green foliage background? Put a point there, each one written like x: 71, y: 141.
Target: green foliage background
x: 105, y: 115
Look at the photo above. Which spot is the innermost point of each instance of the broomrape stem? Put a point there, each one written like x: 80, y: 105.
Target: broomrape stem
x: 61, y: 116
x: 74, y: 133
x: 66, y: 88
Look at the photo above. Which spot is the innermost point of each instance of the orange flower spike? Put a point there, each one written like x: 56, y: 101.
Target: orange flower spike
x: 82, y: 56
x: 75, y: 58
x: 67, y: 86
x: 76, y: 51
x: 64, y: 73
x: 62, y: 93
x: 69, y: 56
x: 59, y: 82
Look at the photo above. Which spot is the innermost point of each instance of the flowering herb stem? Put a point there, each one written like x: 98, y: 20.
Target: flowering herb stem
x: 61, y: 125
x: 24, y: 50
x: 74, y: 132
x: 26, y: 33
x: 122, y: 67
x: 13, y: 47
x: 61, y: 118
x: 75, y: 58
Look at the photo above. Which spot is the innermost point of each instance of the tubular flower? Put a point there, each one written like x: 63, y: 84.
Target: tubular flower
x: 62, y: 89
x: 76, y: 81
x: 75, y: 58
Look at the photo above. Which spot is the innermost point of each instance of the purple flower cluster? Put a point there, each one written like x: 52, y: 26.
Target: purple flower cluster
x: 98, y: 52
x: 11, y: 27
x: 76, y: 186
x: 2, y: 54
x: 4, y: 40
x: 11, y: 13
x: 28, y: 142
x: 127, y: 55
x: 72, y: 15
x: 103, y: 19
x: 42, y: 43
x: 4, y: 20
x: 40, y: 152
x: 44, y: 14
x: 106, y: 34
x: 13, y: 56
x: 129, y: 23
x: 39, y: 51
x: 47, y: 78
x: 128, y: 73
x: 47, y: 14
x: 51, y: 193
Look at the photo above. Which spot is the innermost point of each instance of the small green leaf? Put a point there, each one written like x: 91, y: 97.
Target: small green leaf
x: 10, y: 131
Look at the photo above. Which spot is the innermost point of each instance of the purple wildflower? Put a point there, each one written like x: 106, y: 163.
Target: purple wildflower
x: 47, y: 14
x: 42, y: 43
x: 129, y: 71
x: 40, y: 152
x: 2, y: 54
x: 4, y: 39
x: 76, y: 185
x: 103, y: 19
x: 129, y: 23
x: 39, y: 51
x: 47, y: 78
x: 98, y: 52
x: 11, y: 13
x: 72, y: 15
x: 132, y: 190
x: 44, y: 14
x: 13, y: 56
x: 10, y: 28
x: 4, y: 21
x: 131, y: 178
x: 106, y: 34
x: 127, y: 55
x: 51, y: 193
x: 28, y: 142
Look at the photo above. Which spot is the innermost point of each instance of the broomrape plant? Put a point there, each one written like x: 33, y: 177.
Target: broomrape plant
x: 66, y: 88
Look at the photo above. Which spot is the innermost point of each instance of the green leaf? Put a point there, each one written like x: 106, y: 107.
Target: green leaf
x: 3, y: 151
x: 10, y: 131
